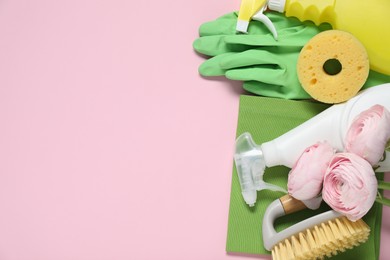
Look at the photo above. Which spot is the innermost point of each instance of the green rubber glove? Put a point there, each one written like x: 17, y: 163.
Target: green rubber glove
x: 267, y: 66
x: 264, y: 72
x: 375, y: 79
x: 219, y: 36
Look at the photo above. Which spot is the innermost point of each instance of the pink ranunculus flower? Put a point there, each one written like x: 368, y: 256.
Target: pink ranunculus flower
x: 350, y: 185
x: 313, y: 203
x: 306, y: 176
x: 369, y: 133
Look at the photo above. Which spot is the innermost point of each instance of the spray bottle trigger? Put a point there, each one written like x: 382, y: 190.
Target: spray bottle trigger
x: 250, y: 167
x: 268, y: 186
x: 260, y: 16
x: 258, y: 167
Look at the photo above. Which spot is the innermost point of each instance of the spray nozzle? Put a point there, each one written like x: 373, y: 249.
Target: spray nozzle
x: 250, y: 167
x: 254, y: 9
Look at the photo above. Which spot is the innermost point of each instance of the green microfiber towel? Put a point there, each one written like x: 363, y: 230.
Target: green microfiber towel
x: 266, y: 119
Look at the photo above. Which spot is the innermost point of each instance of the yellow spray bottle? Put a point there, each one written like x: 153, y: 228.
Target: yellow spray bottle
x: 253, y: 9
x: 368, y: 21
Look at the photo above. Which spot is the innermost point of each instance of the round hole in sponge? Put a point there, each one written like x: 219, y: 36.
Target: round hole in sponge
x: 333, y: 66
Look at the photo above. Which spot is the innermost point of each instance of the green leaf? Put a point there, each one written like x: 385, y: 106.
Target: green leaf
x: 383, y: 185
x: 383, y: 201
x: 387, y: 149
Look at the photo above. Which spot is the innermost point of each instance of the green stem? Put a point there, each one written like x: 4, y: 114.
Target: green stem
x: 387, y: 146
x: 383, y: 185
x: 383, y: 201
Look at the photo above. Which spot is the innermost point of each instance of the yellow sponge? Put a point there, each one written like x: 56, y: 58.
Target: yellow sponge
x: 333, y: 66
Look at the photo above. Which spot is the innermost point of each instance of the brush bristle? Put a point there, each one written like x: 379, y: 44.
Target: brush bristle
x: 323, y: 240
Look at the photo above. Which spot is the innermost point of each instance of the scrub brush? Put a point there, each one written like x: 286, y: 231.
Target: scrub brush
x: 320, y: 236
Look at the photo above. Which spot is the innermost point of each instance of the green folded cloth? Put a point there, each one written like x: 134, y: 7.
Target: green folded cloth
x: 266, y: 119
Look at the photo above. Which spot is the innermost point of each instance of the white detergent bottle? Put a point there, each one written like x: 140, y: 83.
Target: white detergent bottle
x: 331, y: 125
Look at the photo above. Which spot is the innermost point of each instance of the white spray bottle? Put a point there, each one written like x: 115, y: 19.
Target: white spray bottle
x: 331, y: 125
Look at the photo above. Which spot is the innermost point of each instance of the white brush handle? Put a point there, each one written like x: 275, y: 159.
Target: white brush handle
x: 275, y: 210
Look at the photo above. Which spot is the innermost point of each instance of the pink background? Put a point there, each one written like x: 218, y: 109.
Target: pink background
x: 111, y: 144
